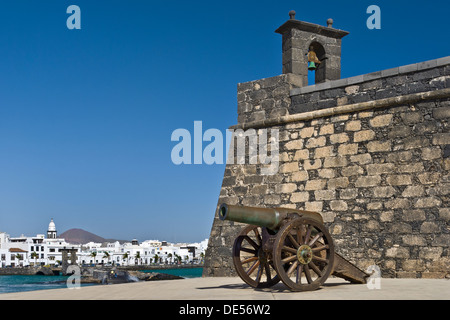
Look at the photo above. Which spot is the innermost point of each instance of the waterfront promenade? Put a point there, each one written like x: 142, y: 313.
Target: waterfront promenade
x: 234, y: 289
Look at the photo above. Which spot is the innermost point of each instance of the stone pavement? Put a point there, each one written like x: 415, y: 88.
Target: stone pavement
x: 234, y: 289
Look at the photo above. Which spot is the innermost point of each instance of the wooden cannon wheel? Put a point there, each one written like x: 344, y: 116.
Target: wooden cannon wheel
x: 303, y: 254
x: 252, y: 263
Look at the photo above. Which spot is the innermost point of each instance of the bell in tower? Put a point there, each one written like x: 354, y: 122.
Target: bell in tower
x: 307, y: 46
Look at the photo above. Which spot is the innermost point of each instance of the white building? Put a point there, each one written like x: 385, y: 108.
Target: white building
x: 41, y: 250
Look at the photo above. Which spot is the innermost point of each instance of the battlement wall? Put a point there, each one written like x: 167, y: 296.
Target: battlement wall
x: 370, y: 153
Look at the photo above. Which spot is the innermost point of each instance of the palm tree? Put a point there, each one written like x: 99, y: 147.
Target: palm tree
x: 170, y: 257
x: 202, y: 256
x: 93, y: 254
x: 106, y: 256
x: 125, y: 257
x: 156, y: 258
x: 137, y: 257
x: 34, y: 256
x: 18, y: 257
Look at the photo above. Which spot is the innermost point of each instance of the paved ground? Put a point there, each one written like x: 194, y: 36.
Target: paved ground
x: 235, y: 289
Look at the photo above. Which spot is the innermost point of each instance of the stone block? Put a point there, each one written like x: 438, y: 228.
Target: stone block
x: 352, y: 171
x: 289, y: 167
x: 399, y: 180
x: 339, y: 138
x: 294, y: 144
x: 334, y: 162
x: 430, y: 253
x: 412, y: 117
x: 413, y: 191
x: 383, y: 192
x: 335, y: 183
x: 429, y: 177
x: 285, y: 188
x: 301, y: 154
x: 442, y: 113
x: 323, y: 152
x: 348, y: 149
x: 299, y: 197
x: 363, y: 135
x: 431, y: 153
x: 301, y: 175
x: 312, y: 164
x: 317, y: 184
x: 325, y: 194
x: 327, y: 173
x: 368, y: 181
x: 315, y: 206
x: 354, y: 125
x: 379, y: 168
x: 428, y: 202
x: 348, y: 193
x: 307, y: 132
x: 316, y: 142
x: 441, y: 139
x: 397, y: 203
x: 326, y: 129
x: 397, y: 252
x: 381, y: 121
x: 413, y: 215
x: 444, y: 213
x: 363, y: 158
x: 378, y: 146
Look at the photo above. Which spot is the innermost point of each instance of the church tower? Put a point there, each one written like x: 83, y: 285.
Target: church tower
x: 51, y: 232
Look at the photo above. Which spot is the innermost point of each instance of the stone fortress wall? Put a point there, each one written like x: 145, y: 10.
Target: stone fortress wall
x: 370, y: 153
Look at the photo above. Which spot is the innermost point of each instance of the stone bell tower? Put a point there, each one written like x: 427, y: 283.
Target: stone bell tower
x: 299, y: 36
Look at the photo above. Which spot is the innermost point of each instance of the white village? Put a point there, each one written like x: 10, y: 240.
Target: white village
x: 46, y: 250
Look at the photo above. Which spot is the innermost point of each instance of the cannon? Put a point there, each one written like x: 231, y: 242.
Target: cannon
x: 288, y: 245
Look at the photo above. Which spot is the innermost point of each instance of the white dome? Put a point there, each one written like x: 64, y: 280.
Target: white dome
x: 51, y: 226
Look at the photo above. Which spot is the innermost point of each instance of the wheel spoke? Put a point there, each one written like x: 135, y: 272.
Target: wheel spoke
x: 320, y: 259
x: 293, y: 241
x: 258, y: 236
x: 308, y: 274
x: 319, y: 235
x: 300, y: 234
x: 253, y: 267
x: 315, y: 268
x: 289, y: 259
x: 251, y: 242
x: 289, y: 249
x: 267, y: 269
x: 308, y: 234
x: 298, y: 278
x: 259, y: 274
x: 292, y: 268
x: 248, y: 250
x: 249, y: 260
x: 318, y: 249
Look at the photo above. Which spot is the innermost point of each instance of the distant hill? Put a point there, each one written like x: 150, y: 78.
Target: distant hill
x: 80, y: 236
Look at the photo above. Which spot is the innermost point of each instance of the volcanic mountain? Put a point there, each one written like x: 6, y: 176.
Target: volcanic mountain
x: 80, y: 236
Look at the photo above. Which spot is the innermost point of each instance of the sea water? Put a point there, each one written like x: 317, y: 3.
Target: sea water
x: 20, y: 283
x: 181, y: 272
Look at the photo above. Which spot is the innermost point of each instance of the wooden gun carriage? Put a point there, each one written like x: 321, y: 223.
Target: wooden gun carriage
x: 286, y: 244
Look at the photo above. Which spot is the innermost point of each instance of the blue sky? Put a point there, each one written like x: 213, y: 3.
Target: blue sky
x: 86, y: 116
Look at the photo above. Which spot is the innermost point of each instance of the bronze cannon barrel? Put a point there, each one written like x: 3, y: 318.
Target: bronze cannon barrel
x: 270, y: 218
